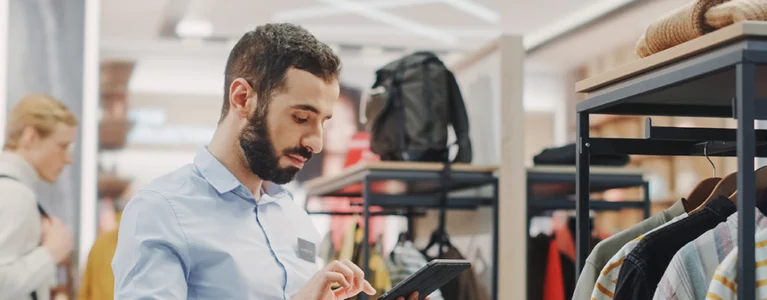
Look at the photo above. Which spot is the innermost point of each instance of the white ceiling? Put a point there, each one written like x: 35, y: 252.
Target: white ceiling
x: 366, y: 33
x: 440, y: 24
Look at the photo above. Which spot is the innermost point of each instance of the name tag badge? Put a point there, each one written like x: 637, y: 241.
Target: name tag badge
x: 306, y: 250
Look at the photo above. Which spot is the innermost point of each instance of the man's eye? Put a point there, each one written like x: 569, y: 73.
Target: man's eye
x: 300, y: 120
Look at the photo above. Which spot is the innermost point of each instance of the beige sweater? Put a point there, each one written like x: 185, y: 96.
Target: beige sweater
x: 24, y: 265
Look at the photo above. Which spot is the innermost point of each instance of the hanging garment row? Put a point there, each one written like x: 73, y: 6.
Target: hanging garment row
x: 404, y: 260
x: 551, y: 261
x: 686, y: 252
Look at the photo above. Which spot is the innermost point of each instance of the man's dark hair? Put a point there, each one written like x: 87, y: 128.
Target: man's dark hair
x: 264, y: 55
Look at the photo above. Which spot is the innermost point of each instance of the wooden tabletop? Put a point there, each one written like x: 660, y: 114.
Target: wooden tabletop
x: 701, y: 44
x: 351, y: 174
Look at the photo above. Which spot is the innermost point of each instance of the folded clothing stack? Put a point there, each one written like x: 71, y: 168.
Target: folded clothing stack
x: 566, y: 155
x: 696, y: 19
x: 676, y: 27
x: 735, y: 11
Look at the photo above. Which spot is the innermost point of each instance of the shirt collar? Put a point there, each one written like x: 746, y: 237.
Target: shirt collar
x: 214, y: 172
x: 224, y: 181
x: 13, y: 165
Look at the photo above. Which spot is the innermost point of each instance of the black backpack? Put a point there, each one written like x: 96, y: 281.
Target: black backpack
x: 419, y: 97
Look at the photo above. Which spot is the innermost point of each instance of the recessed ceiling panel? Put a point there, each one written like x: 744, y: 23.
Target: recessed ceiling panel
x: 134, y: 19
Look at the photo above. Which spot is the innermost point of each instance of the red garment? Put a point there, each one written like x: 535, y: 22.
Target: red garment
x: 553, y: 284
x: 565, y: 241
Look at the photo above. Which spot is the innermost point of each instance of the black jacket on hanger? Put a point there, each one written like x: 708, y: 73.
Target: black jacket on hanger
x: 643, y: 268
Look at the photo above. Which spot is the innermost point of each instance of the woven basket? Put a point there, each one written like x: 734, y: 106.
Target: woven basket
x: 676, y: 27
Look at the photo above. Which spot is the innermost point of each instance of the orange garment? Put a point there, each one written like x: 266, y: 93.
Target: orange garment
x: 98, y: 280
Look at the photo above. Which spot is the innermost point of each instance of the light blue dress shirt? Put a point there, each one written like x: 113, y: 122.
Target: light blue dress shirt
x: 197, y: 233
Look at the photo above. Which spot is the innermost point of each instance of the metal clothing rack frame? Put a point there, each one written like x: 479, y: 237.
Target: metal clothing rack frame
x: 712, y: 76
x: 538, y: 202
x: 428, y: 188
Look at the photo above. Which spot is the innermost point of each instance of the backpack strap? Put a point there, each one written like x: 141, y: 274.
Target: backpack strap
x: 460, y: 120
x: 39, y: 207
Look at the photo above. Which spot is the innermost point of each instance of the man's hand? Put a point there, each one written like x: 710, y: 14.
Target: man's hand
x: 413, y: 296
x: 343, y: 273
x: 57, y: 239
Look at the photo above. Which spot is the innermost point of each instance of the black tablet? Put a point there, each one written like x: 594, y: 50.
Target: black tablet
x: 428, y: 279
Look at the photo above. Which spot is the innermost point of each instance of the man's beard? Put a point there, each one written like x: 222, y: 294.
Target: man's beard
x: 260, y: 154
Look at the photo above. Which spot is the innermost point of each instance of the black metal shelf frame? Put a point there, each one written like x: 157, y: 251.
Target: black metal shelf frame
x: 603, y: 181
x: 413, y: 204
x: 716, y: 83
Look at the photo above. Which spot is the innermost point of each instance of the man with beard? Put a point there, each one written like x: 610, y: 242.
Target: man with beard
x: 222, y: 227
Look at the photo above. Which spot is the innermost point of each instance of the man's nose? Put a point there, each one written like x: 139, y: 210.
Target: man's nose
x: 313, y: 141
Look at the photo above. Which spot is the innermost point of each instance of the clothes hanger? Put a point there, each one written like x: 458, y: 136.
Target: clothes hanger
x: 699, y: 193
x: 725, y: 187
x: 438, y: 237
x: 760, y: 176
x: 703, y: 189
x: 401, y: 239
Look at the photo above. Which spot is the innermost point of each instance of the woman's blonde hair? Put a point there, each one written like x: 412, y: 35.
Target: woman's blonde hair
x: 39, y: 111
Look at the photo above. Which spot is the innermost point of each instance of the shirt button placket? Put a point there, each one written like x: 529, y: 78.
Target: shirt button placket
x: 274, y: 254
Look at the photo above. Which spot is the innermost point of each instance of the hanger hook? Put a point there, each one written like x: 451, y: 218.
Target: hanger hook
x: 705, y: 149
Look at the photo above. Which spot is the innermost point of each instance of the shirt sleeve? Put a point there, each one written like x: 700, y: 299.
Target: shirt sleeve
x: 152, y: 256
x: 20, y: 275
x: 586, y: 281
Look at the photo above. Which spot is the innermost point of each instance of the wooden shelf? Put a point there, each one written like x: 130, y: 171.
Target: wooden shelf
x: 672, y: 55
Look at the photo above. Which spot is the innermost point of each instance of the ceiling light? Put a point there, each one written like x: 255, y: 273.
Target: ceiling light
x: 194, y: 29
x: 393, y: 20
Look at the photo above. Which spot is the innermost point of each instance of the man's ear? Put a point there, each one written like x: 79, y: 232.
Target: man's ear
x: 242, y: 98
x: 29, y: 137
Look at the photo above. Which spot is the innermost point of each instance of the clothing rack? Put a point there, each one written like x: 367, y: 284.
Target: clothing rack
x: 419, y: 186
x: 711, y: 76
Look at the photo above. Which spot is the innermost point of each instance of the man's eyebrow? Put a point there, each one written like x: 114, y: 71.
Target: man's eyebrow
x: 310, y: 108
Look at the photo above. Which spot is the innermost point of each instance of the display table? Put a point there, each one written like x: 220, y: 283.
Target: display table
x: 407, y: 187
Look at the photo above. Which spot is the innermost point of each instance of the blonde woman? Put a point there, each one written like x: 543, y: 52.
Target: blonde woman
x: 39, y: 136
